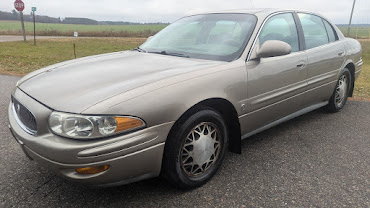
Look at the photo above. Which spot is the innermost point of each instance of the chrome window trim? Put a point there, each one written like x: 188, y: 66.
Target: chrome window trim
x: 20, y: 123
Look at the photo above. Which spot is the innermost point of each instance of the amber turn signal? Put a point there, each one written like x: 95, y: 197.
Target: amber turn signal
x: 126, y: 123
x: 92, y: 170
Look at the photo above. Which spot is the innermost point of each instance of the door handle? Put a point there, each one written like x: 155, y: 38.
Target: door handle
x: 301, y: 64
x: 341, y: 53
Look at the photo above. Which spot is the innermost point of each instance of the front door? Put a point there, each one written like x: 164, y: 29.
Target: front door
x: 274, y: 84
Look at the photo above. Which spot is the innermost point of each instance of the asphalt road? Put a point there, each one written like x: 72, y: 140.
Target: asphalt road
x: 317, y: 160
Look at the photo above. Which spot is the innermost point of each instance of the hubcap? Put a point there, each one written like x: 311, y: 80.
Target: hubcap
x: 341, y: 90
x: 200, y: 149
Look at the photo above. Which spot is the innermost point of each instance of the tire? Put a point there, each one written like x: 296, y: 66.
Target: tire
x: 341, y: 92
x: 195, y: 149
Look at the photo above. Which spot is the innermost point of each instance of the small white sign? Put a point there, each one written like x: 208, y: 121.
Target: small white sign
x: 75, y: 34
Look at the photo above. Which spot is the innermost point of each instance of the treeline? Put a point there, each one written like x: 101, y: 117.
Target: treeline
x: 130, y: 23
x: 79, y: 21
x: 14, y: 15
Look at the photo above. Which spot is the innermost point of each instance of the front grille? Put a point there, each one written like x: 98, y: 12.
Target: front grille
x: 24, y: 117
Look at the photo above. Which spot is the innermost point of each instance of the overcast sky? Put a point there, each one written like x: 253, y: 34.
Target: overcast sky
x: 169, y: 10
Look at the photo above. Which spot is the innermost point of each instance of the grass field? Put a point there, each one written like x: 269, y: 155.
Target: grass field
x: 19, y: 58
x: 357, y: 32
x: 14, y: 28
x: 362, y: 86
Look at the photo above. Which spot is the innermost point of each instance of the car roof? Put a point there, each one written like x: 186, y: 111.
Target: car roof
x: 258, y: 12
x: 247, y: 11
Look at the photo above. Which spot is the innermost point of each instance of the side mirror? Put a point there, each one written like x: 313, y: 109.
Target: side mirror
x: 273, y: 48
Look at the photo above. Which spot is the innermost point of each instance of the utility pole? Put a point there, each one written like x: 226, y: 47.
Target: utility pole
x: 350, y: 19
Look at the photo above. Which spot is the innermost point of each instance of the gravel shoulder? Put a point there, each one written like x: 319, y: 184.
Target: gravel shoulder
x: 9, y: 38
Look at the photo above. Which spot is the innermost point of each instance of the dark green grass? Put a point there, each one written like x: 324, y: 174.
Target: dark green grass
x: 357, y: 32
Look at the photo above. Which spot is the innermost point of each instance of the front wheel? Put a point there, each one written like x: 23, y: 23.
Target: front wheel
x: 341, y: 92
x: 195, y: 149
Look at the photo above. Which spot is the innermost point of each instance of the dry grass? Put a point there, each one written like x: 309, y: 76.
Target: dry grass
x: 139, y: 34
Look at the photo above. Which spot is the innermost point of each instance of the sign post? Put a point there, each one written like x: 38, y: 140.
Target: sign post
x: 34, y: 25
x: 19, y: 6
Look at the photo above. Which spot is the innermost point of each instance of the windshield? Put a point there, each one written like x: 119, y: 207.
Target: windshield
x: 221, y: 37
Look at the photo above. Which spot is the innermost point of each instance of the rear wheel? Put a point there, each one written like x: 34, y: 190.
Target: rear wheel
x: 195, y: 149
x: 341, y: 92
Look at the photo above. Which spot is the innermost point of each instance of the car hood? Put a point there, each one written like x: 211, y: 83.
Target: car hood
x: 76, y: 85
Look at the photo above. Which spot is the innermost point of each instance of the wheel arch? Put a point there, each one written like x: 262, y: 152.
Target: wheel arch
x: 229, y: 114
x: 351, y: 67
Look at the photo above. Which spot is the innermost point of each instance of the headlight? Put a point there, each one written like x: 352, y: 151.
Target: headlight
x: 89, y: 127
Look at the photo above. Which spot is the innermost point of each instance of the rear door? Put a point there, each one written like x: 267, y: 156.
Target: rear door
x: 325, y: 57
x: 274, y: 83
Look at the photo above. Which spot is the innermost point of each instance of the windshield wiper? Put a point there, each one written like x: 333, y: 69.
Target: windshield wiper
x: 171, y: 54
x: 139, y: 49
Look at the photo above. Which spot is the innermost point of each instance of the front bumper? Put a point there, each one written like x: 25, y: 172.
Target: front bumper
x: 130, y: 157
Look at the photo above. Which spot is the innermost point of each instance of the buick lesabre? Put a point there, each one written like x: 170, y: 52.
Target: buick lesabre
x: 177, y: 103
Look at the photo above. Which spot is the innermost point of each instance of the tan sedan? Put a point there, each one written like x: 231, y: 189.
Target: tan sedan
x: 174, y: 105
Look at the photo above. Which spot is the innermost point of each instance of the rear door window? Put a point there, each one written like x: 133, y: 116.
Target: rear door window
x: 314, y: 30
x: 331, y: 33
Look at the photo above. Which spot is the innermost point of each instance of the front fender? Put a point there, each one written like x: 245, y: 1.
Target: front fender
x: 166, y: 100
